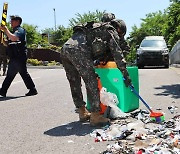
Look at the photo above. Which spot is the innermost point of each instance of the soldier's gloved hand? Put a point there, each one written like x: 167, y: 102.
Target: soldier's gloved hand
x: 97, y: 76
x: 127, y: 82
x: 96, y: 62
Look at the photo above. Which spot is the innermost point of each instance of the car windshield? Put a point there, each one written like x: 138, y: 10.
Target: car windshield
x: 153, y: 43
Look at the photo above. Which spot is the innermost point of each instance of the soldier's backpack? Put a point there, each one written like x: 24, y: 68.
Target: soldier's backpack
x: 97, y: 37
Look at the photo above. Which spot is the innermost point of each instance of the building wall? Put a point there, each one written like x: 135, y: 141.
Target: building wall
x: 174, y: 55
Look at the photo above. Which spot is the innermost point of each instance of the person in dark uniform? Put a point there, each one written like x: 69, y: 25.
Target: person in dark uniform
x: 89, y: 42
x: 17, y: 53
x: 3, y: 58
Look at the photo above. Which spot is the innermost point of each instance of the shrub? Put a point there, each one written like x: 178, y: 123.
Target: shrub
x: 34, y: 62
x: 52, y: 63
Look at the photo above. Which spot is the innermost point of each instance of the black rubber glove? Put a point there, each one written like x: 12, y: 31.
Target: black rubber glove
x: 96, y: 62
x: 127, y: 82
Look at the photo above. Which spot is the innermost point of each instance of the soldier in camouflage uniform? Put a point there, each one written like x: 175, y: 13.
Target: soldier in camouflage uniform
x: 107, y: 17
x: 110, y: 17
x: 90, y: 42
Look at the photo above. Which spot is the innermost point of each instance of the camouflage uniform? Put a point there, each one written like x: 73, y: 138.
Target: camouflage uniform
x: 107, y: 17
x: 3, y: 58
x: 78, y: 54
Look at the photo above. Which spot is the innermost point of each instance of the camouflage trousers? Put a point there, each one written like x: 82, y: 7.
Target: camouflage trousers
x: 77, y: 62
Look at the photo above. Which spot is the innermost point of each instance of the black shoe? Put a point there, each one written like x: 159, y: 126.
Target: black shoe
x: 32, y: 92
x: 2, y: 93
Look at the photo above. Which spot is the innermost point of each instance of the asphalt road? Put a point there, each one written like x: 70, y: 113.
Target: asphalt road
x: 47, y: 122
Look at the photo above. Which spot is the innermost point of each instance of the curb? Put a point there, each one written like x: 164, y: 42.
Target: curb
x: 175, y: 65
x: 45, y: 67
x: 61, y: 67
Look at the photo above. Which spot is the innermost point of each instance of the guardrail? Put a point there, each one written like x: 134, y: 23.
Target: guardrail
x: 174, y: 55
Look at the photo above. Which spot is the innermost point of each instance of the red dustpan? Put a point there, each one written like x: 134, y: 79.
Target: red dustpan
x: 103, y: 107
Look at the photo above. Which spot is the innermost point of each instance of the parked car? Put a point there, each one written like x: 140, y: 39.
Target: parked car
x: 153, y: 51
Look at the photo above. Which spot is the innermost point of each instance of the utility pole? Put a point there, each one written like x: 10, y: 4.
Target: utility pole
x: 54, y: 19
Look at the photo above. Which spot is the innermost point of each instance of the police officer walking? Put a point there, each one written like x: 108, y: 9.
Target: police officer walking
x: 88, y: 43
x: 17, y: 52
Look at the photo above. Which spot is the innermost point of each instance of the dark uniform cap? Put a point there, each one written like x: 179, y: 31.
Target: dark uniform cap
x: 15, y: 17
x: 107, y: 17
x: 119, y: 23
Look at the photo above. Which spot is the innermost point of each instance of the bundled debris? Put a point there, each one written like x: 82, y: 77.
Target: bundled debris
x: 138, y: 134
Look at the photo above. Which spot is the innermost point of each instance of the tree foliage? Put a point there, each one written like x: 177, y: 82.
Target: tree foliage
x: 172, y: 25
x: 152, y: 25
x: 86, y: 17
x: 32, y: 35
x: 61, y: 35
x: 165, y: 24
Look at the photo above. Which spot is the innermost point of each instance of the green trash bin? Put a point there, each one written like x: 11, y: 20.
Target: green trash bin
x: 112, y: 80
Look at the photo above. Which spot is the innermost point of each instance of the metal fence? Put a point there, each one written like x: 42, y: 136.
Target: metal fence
x: 174, y: 55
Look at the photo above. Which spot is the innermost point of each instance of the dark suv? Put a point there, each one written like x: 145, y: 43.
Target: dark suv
x: 153, y: 51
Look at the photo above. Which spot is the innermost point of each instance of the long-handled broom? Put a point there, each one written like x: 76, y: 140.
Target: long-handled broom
x: 155, y: 116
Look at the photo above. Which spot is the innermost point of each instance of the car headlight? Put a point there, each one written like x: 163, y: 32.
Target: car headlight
x: 164, y: 52
x: 139, y: 52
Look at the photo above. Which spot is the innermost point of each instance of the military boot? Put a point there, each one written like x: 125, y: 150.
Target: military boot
x: 84, y: 114
x: 97, y: 119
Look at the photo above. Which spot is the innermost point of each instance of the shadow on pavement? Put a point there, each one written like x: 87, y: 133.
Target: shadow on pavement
x: 73, y: 128
x: 10, y: 97
x: 173, y: 90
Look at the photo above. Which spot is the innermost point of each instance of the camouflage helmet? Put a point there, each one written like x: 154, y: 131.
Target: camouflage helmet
x: 107, y: 17
x: 121, y: 24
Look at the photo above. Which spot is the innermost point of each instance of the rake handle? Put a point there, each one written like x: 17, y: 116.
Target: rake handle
x: 135, y: 92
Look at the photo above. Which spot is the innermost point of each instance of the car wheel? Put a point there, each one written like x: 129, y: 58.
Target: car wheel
x: 166, y: 66
x: 140, y: 66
